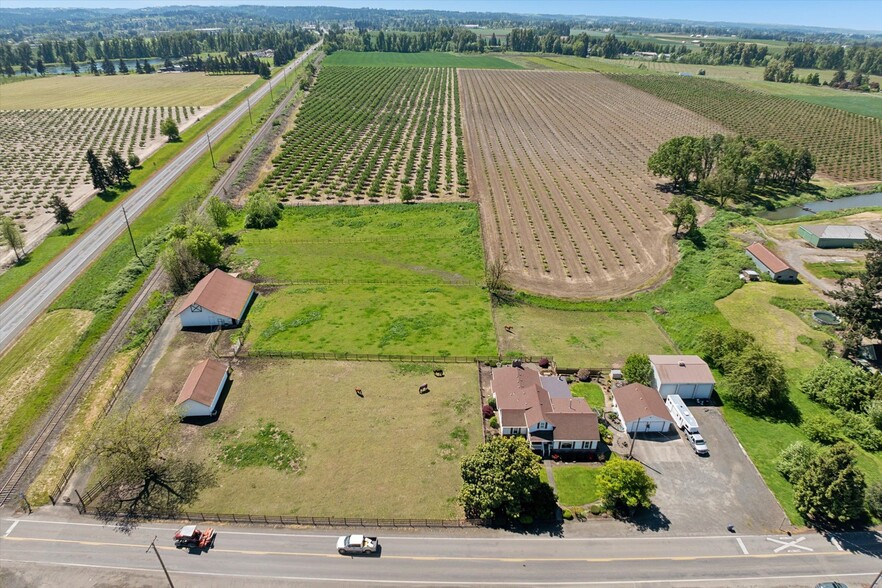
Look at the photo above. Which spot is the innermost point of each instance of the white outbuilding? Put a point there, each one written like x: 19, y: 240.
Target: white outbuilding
x: 641, y: 409
x: 685, y: 375
x: 218, y: 300
x: 202, y: 389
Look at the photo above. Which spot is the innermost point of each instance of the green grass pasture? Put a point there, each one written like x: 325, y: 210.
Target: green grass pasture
x: 391, y: 279
x: 579, y: 339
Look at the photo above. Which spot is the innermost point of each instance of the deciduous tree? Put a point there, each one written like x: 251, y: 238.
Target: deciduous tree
x: 684, y: 214
x: 10, y: 234
x: 756, y: 379
x: 169, y: 128
x: 219, y: 212
x: 500, y: 482
x: 832, y: 488
x: 262, y: 211
x: 638, y: 369
x: 145, y: 472
x: 859, y: 302
x: 839, y: 384
x: 625, y: 486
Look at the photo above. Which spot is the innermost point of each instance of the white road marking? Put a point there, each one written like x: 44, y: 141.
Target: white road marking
x: 741, y: 545
x: 251, y: 577
x: 224, y: 530
x: 11, y: 527
x: 836, y: 543
x: 795, y: 544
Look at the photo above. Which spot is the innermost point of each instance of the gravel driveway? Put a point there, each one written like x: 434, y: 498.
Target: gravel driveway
x: 705, y: 494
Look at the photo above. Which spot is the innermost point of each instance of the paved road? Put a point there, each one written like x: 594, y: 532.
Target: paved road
x: 41, y: 550
x: 17, y: 313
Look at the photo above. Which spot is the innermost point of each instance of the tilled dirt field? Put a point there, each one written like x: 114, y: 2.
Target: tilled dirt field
x: 558, y: 162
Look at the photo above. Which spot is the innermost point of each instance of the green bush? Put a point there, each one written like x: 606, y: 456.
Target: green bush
x: 838, y: 384
x: 605, y: 435
x: 794, y: 459
x: 492, y: 402
x: 579, y: 512
x: 873, y: 499
x: 262, y: 211
x: 874, y: 413
x: 567, y: 515
x: 859, y: 428
x: 494, y: 422
x: 823, y: 429
x: 596, y: 509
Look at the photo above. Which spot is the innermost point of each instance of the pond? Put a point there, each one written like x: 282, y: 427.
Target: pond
x: 824, y: 205
x: 825, y: 317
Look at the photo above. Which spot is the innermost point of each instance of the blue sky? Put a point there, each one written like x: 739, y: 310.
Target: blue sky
x: 853, y: 14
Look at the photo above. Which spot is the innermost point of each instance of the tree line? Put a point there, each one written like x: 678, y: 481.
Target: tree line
x: 531, y: 40
x: 172, y: 45
x: 730, y: 167
x: 438, y: 39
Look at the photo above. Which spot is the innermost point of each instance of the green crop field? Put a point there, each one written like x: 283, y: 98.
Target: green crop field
x: 397, y: 279
x: 425, y: 59
x: 374, y: 133
x: 856, y: 102
x: 122, y: 91
x: 846, y: 146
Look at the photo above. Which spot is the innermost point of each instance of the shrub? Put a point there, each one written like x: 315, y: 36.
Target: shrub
x: 605, y: 435
x: 832, y: 488
x: 492, y: 402
x: 567, y: 515
x: 860, y: 429
x: 794, y: 459
x: 487, y: 410
x: 839, y: 384
x: 584, y: 374
x: 544, y: 363
x: 756, y: 379
x: 494, y: 422
x: 873, y: 499
x: 596, y: 509
x: 262, y: 211
x: 823, y: 429
x: 579, y: 512
x: 874, y: 412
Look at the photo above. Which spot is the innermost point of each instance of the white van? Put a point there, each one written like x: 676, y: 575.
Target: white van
x: 681, y: 414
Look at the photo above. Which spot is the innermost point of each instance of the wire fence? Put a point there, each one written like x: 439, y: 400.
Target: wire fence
x: 443, y: 283
x: 251, y: 519
x: 332, y: 356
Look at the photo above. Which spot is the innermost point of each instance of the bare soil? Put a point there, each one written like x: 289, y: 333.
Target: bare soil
x: 558, y: 164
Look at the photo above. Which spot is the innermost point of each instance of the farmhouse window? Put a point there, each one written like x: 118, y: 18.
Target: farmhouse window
x: 566, y: 445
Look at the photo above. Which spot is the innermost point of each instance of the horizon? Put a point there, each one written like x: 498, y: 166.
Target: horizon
x: 852, y: 15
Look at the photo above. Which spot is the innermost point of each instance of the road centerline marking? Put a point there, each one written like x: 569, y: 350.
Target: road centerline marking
x: 742, y: 546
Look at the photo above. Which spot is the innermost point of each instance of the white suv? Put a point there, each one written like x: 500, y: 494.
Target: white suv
x: 697, y: 442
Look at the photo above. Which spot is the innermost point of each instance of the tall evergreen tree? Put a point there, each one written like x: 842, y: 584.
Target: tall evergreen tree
x: 119, y: 170
x: 61, y: 210
x: 100, y: 177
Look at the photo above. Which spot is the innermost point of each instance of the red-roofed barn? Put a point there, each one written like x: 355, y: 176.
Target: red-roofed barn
x: 202, y: 389
x: 218, y: 299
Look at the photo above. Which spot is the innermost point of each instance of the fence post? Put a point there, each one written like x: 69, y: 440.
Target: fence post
x: 81, y: 507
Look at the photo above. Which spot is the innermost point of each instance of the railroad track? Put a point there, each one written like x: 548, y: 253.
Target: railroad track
x: 27, y: 462
x: 25, y: 469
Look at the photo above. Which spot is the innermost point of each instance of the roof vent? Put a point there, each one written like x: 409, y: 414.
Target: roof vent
x: 682, y: 363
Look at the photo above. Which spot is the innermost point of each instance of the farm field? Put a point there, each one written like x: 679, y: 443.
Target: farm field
x: 391, y: 453
x: 846, y: 147
x: 856, y: 102
x: 577, y: 339
x: 45, y: 135
x: 122, y: 91
x: 560, y: 162
x: 424, y: 59
x: 376, y: 134
x: 393, y: 279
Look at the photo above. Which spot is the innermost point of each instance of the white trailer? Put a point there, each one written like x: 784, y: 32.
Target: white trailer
x: 681, y: 414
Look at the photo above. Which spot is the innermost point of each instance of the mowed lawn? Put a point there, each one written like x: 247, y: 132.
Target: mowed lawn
x: 392, y: 279
x: 88, y: 91
x: 749, y: 309
x: 425, y: 59
x: 576, y: 485
x: 578, y: 339
x: 393, y: 453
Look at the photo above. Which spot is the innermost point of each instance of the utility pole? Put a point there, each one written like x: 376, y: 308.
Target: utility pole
x: 210, y: 150
x: 125, y: 216
x: 634, y: 438
x: 273, y: 98
x: 248, y: 102
x: 156, y: 551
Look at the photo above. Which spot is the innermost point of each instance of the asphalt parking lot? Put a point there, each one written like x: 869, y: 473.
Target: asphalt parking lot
x: 705, y: 494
